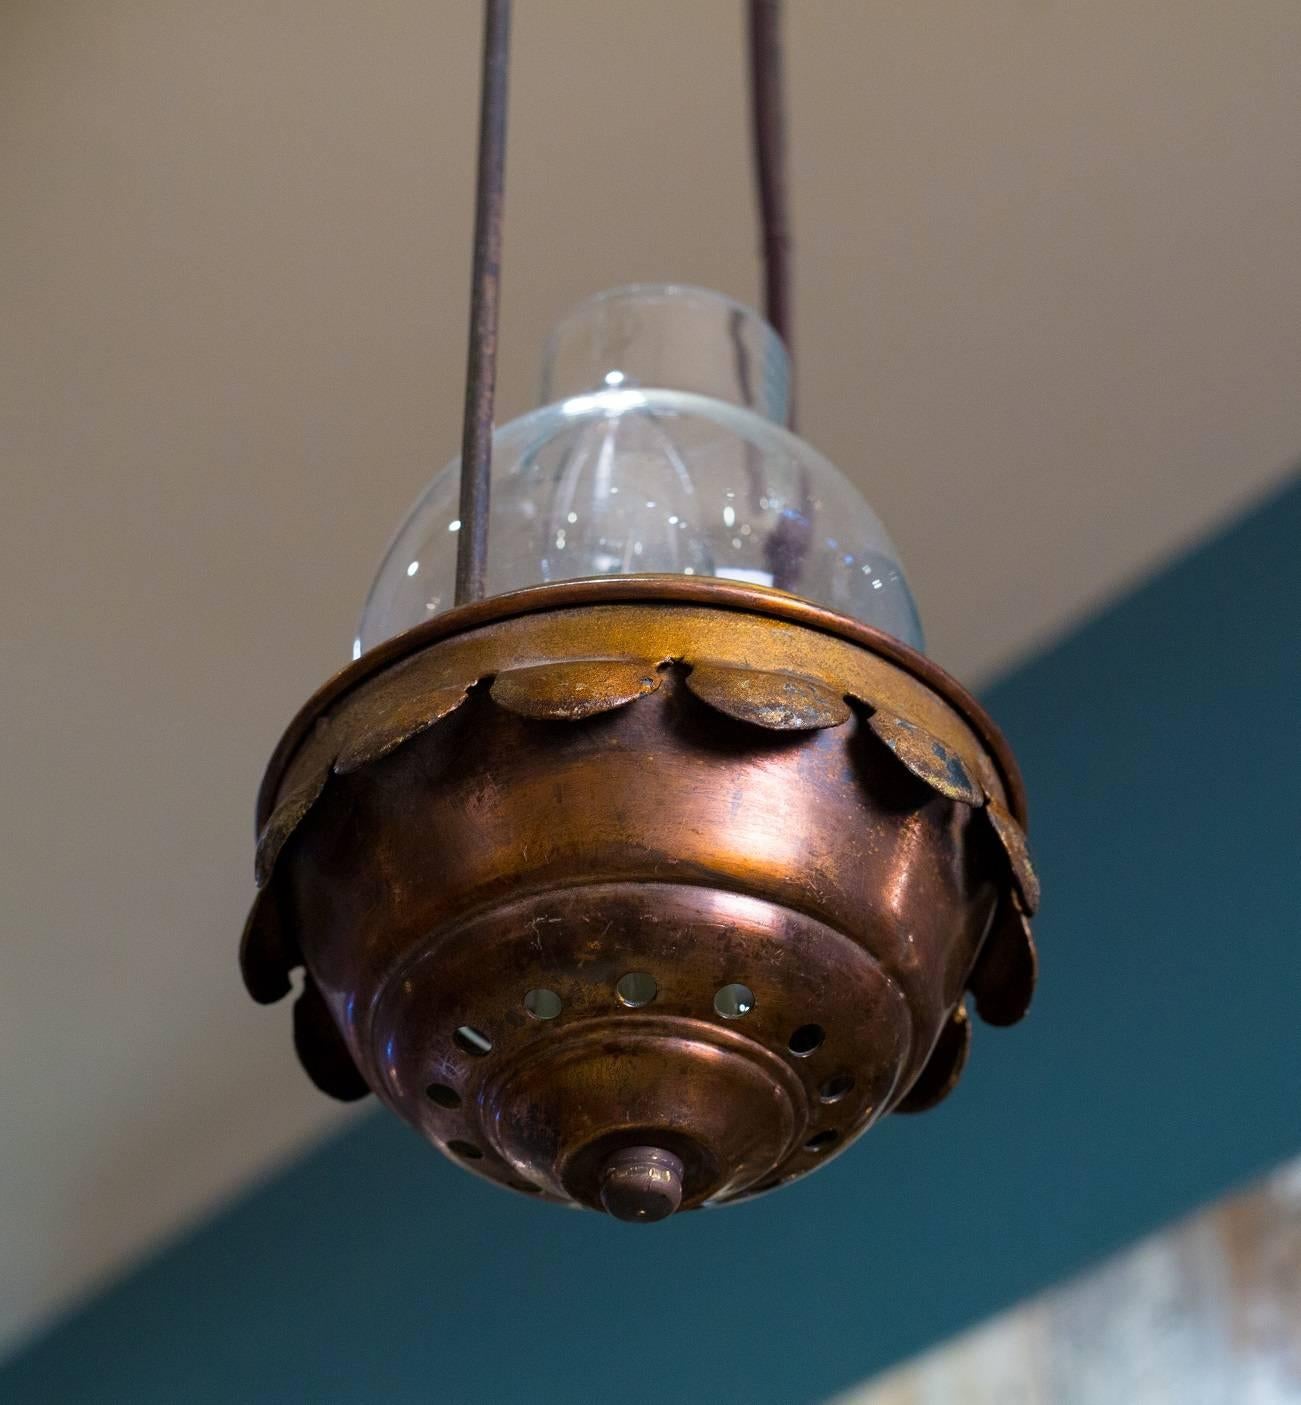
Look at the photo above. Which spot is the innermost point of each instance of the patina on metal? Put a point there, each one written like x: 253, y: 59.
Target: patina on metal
x: 642, y: 893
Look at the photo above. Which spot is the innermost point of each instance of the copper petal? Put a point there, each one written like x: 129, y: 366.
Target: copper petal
x: 1012, y: 837
x: 373, y: 733
x: 285, y: 818
x: 574, y: 689
x: 1003, y: 978
x: 986, y: 774
x: 267, y: 950
x: 944, y: 1067
x: 321, y: 1049
x: 782, y: 702
x: 927, y: 757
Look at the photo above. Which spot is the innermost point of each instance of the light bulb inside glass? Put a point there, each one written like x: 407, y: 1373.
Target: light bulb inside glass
x: 659, y: 447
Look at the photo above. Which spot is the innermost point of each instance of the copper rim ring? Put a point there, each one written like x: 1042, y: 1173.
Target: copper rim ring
x: 641, y: 590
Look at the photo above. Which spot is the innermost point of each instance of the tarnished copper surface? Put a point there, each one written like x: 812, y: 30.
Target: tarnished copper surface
x: 618, y: 866
x: 321, y: 1049
x: 997, y: 761
x: 641, y: 1183
x: 1007, y: 969
x: 268, y: 951
x: 783, y: 702
x: 943, y: 1068
x: 575, y: 688
x: 1012, y: 837
x: 927, y: 757
x: 287, y: 816
x: 391, y: 715
x: 554, y: 1098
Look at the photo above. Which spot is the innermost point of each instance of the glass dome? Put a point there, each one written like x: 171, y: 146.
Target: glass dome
x: 660, y: 447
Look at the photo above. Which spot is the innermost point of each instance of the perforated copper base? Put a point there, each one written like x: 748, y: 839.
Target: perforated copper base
x: 628, y: 867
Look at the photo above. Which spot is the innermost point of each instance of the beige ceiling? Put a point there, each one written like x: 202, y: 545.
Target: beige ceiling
x: 1049, y: 318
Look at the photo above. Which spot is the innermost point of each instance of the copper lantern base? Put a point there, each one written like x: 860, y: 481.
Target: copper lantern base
x: 642, y: 892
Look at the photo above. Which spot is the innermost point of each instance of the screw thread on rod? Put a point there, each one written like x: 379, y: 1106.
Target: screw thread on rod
x: 485, y: 286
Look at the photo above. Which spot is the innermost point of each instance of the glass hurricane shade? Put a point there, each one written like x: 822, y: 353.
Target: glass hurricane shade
x: 660, y: 446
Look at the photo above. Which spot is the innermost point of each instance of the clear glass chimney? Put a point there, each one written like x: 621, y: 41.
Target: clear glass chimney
x: 660, y: 447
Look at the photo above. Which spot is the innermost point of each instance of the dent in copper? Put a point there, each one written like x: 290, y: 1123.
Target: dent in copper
x: 667, y: 784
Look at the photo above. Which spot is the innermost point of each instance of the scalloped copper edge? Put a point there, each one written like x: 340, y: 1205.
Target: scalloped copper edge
x: 286, y: 818
x: 1012, y: 837
x: 632, y: 590
x: 267, y: 950
x: 376, y: 725
x: 942, y: 1070
x: 987, y: 776
x: 321, y: 1051
x: 1003, y: 979
x: 396, y: 724
x: 926, y: 757
x: 569, y: 690
x: 778, y: 701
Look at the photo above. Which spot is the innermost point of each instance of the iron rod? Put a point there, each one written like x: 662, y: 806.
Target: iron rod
x: 485, y: 287
x: 768, y: 137
x: 787, y: 546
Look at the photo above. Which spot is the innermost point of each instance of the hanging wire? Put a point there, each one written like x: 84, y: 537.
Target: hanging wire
x: 485, y: 286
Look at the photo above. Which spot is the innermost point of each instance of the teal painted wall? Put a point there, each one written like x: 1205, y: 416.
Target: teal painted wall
x: 1161, y: 1064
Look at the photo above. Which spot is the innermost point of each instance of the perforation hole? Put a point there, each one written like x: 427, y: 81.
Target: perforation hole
x: 822, y: 1141
x: 467, y: 1151
x: 543, y: 1004
x: 525, y: 1187
x: 637, y: 988
x: 836, y: 1087
x: 444, y: 1096
x: 473, y: 1041
x: 806, y: 1039
x: 734, y: 1001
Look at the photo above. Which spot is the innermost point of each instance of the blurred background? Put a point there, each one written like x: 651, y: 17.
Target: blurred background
x: 1048, y: 319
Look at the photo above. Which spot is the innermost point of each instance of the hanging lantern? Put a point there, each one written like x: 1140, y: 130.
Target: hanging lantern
x: 658, y: 867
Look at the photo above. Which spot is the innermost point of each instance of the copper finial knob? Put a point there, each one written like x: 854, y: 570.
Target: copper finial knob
x: 641, y: 1184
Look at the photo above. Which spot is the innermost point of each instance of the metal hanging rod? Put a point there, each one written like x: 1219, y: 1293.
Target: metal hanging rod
x: 485, y: 288
x: 768, y: 139
x: 768, y: 130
